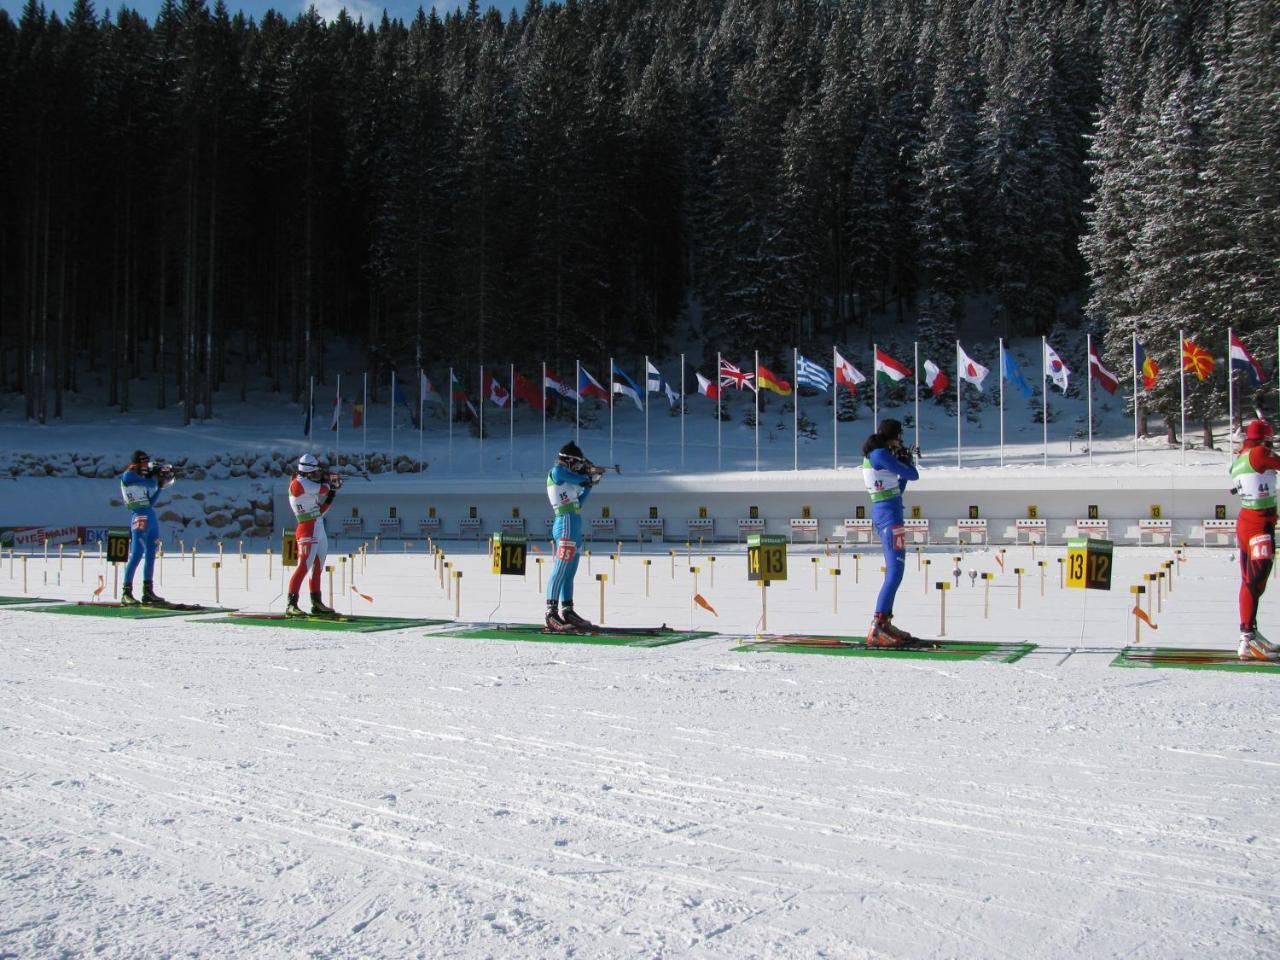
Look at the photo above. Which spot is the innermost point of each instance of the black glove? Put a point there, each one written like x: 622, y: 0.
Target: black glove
x: 904, y: 455
x: 336, y: 480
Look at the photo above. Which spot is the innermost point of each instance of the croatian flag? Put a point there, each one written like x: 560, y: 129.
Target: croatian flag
x: 1108, y: 380
x: 1242, y: 359
x: 589, y: 386
x: 554, y: 383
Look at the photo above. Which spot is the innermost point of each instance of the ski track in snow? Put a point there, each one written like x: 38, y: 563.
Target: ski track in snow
x: 181, y: 787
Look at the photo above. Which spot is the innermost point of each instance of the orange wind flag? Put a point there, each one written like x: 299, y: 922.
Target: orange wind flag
x: 1142, y: 615
x: 102, y: 585
x: 356, y: 591
x: 701, y: 601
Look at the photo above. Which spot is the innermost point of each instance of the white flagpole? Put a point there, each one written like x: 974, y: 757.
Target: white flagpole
x: 542, y: 387
x: 1088, y: 346
x: 1182, y: 392
x: 835, y: 407
x: 482, y: 399
x: 392, y: 405
x: 682, y: 412
x: 719, y: 397
x: 757, y: 398
x: 1135, y: 397
x: 646, y: 413
x: 421, y: 401
x: 1231, y: 407
x: 511, y: 410
x: 451, y: 420
x: 311, y: 410
x: 1001, y: 401
x: 1044, y: 396
x: 875, y: 387
x: 959, y: 409
x: 577, y: 402
x: 795, y: 409
x: 915, y: 380
x: 611, y: 460
x: 337, y: 440
x: 364, y: 425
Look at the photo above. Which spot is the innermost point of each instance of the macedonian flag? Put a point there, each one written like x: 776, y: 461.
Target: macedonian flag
x: 1196, y: 359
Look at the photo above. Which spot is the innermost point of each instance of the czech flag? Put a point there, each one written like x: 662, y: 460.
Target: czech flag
x: 771, y: 381
x: 1196, y: 359
x: 589, y: 386
x: 1242, y: 359
x: 1149, y: 369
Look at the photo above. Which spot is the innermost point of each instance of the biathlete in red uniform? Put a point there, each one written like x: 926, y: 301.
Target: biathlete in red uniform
x: 1254, y: 472
x: 311, y: 495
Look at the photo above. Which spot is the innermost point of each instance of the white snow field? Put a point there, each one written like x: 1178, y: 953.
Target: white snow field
x: 188, y: 787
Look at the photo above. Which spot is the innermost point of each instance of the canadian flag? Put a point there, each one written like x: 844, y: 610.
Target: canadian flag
x: 968, y: 369
x: 1106, y: 379
x: 847, y: 375
x: 494, y: 391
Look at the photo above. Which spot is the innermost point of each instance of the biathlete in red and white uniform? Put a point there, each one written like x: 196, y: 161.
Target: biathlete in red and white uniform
x: 1254, y: 472
x: 311, y: 495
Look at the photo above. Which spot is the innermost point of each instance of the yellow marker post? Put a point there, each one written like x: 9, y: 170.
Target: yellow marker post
x: 688, y: 551
x: 329, y: 570
x: 193, y: 560
x: 764, y: 605
x: 342, y: 563
x: 835, y: 592
x: 647, y: 563
x: 1018, y: 573
x: 1062, y: 565
x: 538, y: 561
x: 603, y: 578
x: 115, y: 579
x: 986, y: 595
x: 857, y: 557
x: 457, y: 595
x: 244, y: 562
x: 926, y: 577
x: 60, y: 556
x: 1160, y: 592
x: 1150, y: 579
x: 942, y: 586
x: 588, y: 562
x: 712, y: 561
x: 1040, y: 564
x: 813, y: 561
x: 918, y: 567
x: 1167, y: 566
x: 673, y: 564
x: 613, y: 560
x: 24, y: 574
x: 694, y: 571
x: 217, y: 581
x: 1137, y: 590
x: 82, y: 564
x: 448, y: 580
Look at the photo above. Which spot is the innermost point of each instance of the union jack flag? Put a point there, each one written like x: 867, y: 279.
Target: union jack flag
x: 731, y: 376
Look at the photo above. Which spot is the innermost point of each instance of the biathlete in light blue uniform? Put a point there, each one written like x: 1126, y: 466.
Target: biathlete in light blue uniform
x: 886, y: 468
x: 568, y: 485
x: 140, y: 485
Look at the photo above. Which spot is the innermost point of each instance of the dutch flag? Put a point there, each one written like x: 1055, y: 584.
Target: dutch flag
x: 1242, y: 359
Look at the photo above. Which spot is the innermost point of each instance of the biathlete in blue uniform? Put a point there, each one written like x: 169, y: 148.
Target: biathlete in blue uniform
x: 568, y: 485
x: 886, y: 467
x: 140, y: 485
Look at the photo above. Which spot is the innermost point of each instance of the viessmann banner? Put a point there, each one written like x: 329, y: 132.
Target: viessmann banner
x: 28, y: 537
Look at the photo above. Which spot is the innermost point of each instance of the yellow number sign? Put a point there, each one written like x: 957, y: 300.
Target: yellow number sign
x: 289, y: 549
x: 1089, y: 564
x: 766, y: 556
x: 118, y: 544
x: 509, y: 554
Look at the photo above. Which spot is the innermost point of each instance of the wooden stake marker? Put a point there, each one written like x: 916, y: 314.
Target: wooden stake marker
x: 602, y: 578
x: 942, y: 586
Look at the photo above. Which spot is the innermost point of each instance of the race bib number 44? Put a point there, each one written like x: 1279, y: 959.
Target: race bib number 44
x: 1260, y: 547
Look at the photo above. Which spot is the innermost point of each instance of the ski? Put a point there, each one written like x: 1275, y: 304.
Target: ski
x: 805, y: 640
x: 600, y: 631
x: 306, y: 618
x: 143, y: 606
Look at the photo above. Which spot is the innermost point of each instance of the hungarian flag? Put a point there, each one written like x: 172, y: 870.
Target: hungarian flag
x: 589, y: 386
x: 731, y: 376
x: 1054, y: 368
x: 969, y: 369
x: 493, y: 390
x: 889, y: 368
x: 1149, y: 369
x: 935, y: 379
x: 357, y: 415
x: 624, y: 385
x: 526, y: 390
x: 1196, y: 359
x: 460, y: 396
x: 1242, y: 359
x: 769, y: 381
x: 1108, y: 380
x: 553, y: 382
x: 706, y: 387
x: 847, y: 375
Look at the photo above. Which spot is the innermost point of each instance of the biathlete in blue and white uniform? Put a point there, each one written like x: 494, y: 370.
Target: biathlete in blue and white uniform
x: 140, y: 485
x: 568, y: 485
x: 886, y: 468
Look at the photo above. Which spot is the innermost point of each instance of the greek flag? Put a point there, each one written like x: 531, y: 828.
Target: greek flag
x: 810, y: 374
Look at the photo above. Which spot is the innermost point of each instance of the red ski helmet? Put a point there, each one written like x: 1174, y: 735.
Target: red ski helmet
x: 1259, y: 430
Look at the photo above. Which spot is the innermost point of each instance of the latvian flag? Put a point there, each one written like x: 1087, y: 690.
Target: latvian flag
x: 589, y: 386
x: 935, y: 379
x: 847, y: 375
x: 1242, y: 359
x: 889, y: 368
x: 1106, y: 379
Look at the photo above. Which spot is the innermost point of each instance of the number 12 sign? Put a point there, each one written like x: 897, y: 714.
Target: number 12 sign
x: 1089, y: 564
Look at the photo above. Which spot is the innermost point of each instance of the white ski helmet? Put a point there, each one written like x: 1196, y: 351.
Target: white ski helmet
x: 308, y: 464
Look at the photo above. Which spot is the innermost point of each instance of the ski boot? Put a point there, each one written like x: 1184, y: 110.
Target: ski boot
x: 127, y: 599
x: 879, y: 636
x: 150, y: 597
x: 318, y: 609
x: 575, y: 622
x: 1263, y: 642
x: 897, y: 633
x: 1252, y: 647
x: 292, y: 609
x: 554, y: 622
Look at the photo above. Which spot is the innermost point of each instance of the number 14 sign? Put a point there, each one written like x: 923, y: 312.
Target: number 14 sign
x: 1089, y: 564
x: 766, y: 556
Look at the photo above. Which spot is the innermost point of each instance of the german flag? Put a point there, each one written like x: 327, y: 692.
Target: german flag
x: 771, y: 381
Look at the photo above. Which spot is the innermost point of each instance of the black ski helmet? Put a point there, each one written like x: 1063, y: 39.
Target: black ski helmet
x: 571, y: 451
x: 140, y: 457
x: 891, y: 429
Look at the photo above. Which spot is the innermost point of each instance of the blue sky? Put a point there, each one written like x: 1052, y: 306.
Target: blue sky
x: 371, y: 10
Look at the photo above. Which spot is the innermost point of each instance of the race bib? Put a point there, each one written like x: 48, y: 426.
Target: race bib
x: 899, y: 537
x: 139, y: 522
x: 1260, y: 547
x: 565, y: 550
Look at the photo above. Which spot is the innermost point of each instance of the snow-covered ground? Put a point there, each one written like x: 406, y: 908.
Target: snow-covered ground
x: 187, y: 787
